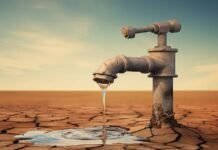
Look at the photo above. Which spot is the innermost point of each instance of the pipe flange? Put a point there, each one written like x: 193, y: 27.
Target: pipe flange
x: 162, y: 49
x: 163, y: 75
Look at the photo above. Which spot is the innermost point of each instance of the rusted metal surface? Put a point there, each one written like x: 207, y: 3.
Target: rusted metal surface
x: 160, y: 64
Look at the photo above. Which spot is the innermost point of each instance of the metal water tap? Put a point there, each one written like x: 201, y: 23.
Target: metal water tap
x: 160, y: 64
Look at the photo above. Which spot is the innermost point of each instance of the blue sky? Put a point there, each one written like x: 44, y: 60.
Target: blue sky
x: 58, y: 44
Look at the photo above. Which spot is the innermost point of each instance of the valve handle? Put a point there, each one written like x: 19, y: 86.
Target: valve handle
x: 157, y: 28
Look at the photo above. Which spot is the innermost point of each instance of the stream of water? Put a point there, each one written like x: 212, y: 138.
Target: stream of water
x: 104, y: 92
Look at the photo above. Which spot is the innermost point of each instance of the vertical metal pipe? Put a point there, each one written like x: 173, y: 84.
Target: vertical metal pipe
x: 163, y: 93
x: 162, y: 112
x: 162, y: 39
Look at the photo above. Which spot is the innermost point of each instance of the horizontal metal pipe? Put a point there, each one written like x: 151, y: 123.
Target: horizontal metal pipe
x: 129, y: 32
x: 107, y: 72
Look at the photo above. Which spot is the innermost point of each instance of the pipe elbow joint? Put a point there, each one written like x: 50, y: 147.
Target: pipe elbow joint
x: 108, y: 70
x: 162, y: 67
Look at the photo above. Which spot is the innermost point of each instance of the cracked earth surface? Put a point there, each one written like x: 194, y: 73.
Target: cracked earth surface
x: 199, y: 131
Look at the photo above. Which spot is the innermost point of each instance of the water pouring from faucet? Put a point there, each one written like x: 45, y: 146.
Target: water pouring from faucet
x: 104, y: 87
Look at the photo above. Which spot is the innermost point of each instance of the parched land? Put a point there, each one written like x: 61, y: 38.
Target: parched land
x: 25, y: 111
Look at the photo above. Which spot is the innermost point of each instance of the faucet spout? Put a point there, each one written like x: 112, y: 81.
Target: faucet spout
x: 108, y: 70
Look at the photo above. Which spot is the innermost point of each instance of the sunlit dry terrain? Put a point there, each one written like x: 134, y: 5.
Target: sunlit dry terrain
x: 25, y: 111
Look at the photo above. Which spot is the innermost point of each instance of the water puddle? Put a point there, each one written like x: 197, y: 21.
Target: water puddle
x: 80, y: 136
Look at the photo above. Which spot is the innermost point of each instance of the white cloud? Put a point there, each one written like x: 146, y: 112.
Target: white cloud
x: 35, y: 50
x: 78, y: 24
x: 50, y: 4
x: 81, y: 26
x: 210, y: 73
x: 212, y: 68
x: 206, y: 77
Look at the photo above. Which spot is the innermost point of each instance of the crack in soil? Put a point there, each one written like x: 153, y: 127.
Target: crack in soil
x: 185, y: 115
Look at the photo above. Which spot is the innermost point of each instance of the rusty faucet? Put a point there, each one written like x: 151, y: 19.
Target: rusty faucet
x: 160, y: 64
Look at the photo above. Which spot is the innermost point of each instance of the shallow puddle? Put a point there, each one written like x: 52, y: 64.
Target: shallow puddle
x: 81, y: 136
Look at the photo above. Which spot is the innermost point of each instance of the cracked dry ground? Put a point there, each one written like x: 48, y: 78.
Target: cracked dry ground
x: 201, y: 131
